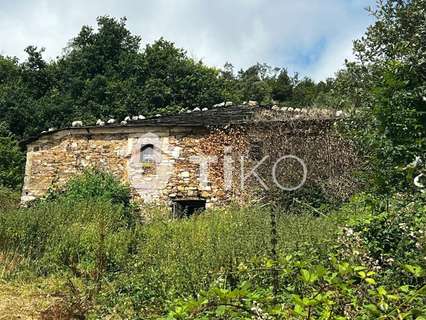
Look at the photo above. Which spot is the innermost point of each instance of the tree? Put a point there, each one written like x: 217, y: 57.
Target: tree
x: 254, y: 83
x: 177, y: 80
x: 231, y: 89
x: 17, y: 108
x: 282, y: 87
x: 11, y: 160
x: 391, y: 64
x: 304, y: 92
x: 104, y: 73
x: 36, y: 74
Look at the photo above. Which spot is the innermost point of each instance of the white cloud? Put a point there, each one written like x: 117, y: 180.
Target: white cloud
x: 332, y: 59
x: 310, y: 36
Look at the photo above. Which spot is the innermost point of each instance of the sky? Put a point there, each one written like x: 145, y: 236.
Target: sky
x: 312, y: 37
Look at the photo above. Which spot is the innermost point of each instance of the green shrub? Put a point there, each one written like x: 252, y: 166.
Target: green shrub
x: 316, y: 284
x: 174, y: 257
x: 213, y: 255
x: 329, y: 289
x: 392, y: 234
x: 87, y: 228
x: 130, y: 269
x: 94, y: 184
x: 12, y: 160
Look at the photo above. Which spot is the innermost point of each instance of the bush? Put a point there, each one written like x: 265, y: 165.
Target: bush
x: 94, y: 184
x: 218, y: 264
x: 12, y: 160
x: 86, y: 228
x: 376, y: 269
x: 336, y: 290
x: 186, y: 255
x: 391, y: 235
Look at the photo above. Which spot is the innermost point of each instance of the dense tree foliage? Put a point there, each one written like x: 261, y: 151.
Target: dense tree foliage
x: 387, y: 84
x: 11, y: 160
x: 105, y: 72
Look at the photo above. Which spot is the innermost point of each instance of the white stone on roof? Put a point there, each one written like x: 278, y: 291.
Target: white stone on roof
x: 77, y: 124
x: 100, y: 123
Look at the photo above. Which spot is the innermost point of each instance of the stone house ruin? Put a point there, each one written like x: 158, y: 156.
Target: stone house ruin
x: 182, y: 159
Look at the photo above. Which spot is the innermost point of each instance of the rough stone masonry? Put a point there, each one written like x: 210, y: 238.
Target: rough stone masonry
x: 156, y: 156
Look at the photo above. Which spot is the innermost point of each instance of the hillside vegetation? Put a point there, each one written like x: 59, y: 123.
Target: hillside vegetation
x: 360, y: 261
x: 100, y: 256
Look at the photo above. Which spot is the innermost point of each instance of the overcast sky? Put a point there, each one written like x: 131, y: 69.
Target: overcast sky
x: 310, y: 36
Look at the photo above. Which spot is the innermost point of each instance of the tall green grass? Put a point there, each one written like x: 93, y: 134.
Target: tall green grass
x: 139, y: 260
x: 9, y: 199
x: 66, y: 236
x: 147, y: 263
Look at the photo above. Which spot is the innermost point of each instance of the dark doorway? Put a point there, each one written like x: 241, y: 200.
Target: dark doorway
x: 186, y: 208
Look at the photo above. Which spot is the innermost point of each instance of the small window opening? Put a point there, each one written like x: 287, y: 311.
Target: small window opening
x: 147, y: 153
x: 187, y: 208
x: 256, y: 151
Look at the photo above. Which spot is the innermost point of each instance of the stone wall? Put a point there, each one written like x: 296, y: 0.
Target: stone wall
x: 54, y: 158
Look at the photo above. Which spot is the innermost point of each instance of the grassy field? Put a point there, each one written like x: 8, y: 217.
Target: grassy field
x: 88, y: 253
x: 26, y: 300
x: 149, y: 264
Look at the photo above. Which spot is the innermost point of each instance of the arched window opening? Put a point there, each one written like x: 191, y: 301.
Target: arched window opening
x: 147, y: 153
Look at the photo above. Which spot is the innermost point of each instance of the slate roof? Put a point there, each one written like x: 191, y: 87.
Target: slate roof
x: 211, y: 117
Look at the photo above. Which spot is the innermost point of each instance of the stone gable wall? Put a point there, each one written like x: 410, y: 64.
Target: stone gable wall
x: 53, y: 160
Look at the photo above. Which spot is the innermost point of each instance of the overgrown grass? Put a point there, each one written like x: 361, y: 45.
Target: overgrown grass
x: 27, y: 300
x: 9, y: 199
x: 186, y: 253
x: 66, y: 237
x: 114, y: 263
x: 144, y: 265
